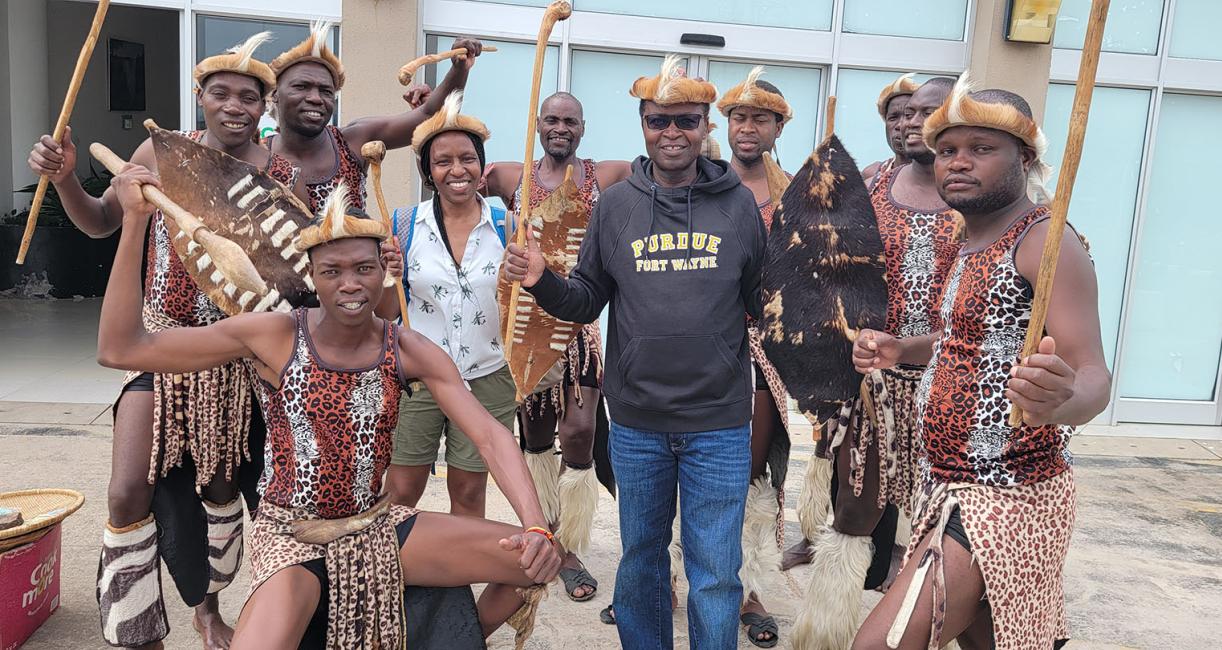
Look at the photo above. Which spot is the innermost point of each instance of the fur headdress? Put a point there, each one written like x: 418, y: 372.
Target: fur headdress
x: 904, y: 85
x: 672, y: 86
x: 749, y: 94
x: 448, y: 119
x: 239, y: 59
x: 335, y: 220
x: 962, y: 109
x: 313, y: 48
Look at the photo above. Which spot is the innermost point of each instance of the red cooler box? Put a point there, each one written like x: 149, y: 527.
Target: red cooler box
x: 29, y: 587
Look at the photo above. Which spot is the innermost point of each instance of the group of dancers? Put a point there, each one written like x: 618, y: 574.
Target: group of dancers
x: 683, y: 414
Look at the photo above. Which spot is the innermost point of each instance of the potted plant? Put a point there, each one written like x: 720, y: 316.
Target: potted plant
x: 62, y: 262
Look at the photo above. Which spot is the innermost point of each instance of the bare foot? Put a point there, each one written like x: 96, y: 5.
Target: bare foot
x: 797, y: 554
x: 212, y: 629
x: 754, y: 606
x: 897, y: 561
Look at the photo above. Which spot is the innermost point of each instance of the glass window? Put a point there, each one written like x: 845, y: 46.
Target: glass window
x: 527, y: 3
x: 214, y: 34
x: 1132, y: 25
x: 807, y: 14
x: 801, y: 87
x: 1174, y: 332
x: 601, y: 81
x: 498, y: 90
x: 1194, y: 31
x: 1105, y: 191
x: 942, y: 19
x: 857, y: 121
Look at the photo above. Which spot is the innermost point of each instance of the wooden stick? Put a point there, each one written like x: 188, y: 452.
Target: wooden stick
x: 228, y: 257
x: 65, y: 112
x: 375, y: 152
x: 831, y: 117
x: 408, y: 71
x: 1083, y: 92
x: 556, y: 11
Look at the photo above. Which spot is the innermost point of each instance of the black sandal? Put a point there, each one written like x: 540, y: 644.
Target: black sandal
x: 758, y: 624
x: 607, y: 615
x: 575, y: 579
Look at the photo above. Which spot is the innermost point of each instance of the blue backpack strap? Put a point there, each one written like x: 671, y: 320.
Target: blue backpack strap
x: 498, y: 221
x: 406, y: 245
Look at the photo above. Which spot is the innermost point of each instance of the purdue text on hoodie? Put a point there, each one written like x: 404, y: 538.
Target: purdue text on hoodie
x: 681, y: 270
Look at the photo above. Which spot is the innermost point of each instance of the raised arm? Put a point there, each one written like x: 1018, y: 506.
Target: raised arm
x: 578, y: 299
x: 423, y: 360
x: 96, y: 217
x: 396, y: 130
x: 122, y: 340
x: 1067, y: 380
x: 501, y: 180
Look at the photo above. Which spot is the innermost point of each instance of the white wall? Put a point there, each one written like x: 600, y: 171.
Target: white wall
x: 26, y: 67
x: 92, y: 119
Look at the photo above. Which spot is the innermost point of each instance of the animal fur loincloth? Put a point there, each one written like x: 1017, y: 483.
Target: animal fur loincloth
x: 1019, y: 538
x: 363, y: 570
x: 885, y: 413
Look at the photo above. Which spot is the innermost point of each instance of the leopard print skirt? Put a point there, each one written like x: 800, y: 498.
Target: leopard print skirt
x: 363, y: 571
x: 1019, y: 537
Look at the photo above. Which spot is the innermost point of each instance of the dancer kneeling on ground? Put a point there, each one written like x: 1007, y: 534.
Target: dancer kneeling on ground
x: 324, y: 538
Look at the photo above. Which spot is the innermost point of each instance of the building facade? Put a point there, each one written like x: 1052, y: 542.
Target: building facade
x: 1143, y: 196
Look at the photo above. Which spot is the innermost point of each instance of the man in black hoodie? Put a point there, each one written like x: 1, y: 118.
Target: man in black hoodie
x: 677, y: 252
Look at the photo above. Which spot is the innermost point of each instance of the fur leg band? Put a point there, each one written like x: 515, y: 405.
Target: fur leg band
x: 761, y: 556
x: 831, y: 610
x: 578, y: 503
x: 816, y: 497
x: 544, y: 468
x: 129, y: 586
x: 224, y: 543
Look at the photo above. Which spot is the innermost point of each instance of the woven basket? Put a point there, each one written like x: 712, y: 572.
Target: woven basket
x: 40, y: 510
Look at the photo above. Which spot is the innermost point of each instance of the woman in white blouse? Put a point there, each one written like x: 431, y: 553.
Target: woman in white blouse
x: 452, y: 247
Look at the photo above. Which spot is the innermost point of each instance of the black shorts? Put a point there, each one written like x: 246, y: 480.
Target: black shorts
x: 141, y: 384
x: 954, y: 530
x: 436, y: 617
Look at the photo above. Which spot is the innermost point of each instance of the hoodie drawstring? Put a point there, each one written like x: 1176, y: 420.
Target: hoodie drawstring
x: 653, y: 201
x: 687, y: 253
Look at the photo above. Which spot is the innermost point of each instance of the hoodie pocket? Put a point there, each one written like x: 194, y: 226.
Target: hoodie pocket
x: 668, y: 373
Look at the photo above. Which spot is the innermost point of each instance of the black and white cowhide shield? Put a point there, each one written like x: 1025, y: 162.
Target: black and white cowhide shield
x: 824, y: 281
x: 241, y: 203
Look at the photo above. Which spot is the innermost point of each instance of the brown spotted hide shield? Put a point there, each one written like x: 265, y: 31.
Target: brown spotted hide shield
x: 824, y: 281
x: 540, y: 339
x: 239, y: 202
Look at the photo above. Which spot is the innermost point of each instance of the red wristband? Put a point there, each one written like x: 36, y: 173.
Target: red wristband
x: 542, y: 531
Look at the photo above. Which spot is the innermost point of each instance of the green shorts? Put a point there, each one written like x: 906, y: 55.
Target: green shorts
x: 422, y: 424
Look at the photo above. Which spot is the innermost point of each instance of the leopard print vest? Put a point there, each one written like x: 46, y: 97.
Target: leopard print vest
x: 329, y: 430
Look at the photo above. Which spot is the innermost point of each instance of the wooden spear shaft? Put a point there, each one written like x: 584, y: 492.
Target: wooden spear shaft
x: 65, y: 112
x: 556, y: 11
x: 831, y: 117
x: 1083, y: 92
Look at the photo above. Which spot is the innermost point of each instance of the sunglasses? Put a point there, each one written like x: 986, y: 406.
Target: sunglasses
x: 685, y: 121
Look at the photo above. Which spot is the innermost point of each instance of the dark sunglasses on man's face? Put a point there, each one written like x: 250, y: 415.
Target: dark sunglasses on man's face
x: 685, y: 121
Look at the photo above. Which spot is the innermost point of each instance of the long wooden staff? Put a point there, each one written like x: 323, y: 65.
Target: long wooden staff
x: 228, y: 257
x: 409, y: 70
x: 65, y: 112
x: 1083, y: 92
x: 375, y: 152
x: 831, y: 117
x: 556, y: 11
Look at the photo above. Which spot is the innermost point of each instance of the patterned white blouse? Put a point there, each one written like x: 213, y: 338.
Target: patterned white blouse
x: 454, y: 305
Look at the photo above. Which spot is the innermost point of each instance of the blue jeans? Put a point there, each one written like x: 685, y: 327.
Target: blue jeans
x: 711, y: 469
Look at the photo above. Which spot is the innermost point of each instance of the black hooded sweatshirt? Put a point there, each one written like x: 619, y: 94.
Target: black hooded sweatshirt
x: 681, y: 269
